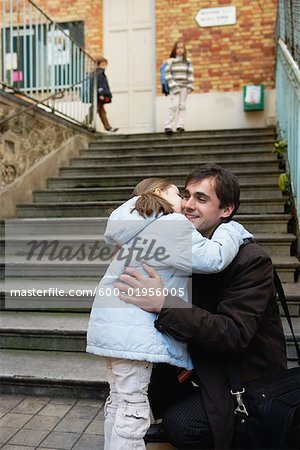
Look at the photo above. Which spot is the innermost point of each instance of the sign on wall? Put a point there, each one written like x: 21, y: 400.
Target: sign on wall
x: 216, y: 17
x: 59, y: 48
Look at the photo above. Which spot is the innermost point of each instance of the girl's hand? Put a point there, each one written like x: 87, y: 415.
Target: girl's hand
x: 145, y: 292
x: 115, y: 251
x: 189, y: 91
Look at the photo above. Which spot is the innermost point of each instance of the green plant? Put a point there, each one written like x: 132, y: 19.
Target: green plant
x: 284, y: 183
x: 281, y: 147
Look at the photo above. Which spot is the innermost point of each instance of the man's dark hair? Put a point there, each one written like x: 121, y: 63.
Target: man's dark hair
x: 226, y: 184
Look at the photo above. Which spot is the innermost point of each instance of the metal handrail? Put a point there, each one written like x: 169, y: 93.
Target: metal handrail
x: 288, y: 112
x: 28, y: 108
x: 40, y: 60
x: 61, y: 29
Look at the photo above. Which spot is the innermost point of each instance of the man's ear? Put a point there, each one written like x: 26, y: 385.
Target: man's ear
x: 227, y: 211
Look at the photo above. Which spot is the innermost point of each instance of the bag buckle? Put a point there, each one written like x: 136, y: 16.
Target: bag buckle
x: 241, y: 408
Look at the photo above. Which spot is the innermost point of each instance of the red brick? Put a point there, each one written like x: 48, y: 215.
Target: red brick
x: 237, y: 54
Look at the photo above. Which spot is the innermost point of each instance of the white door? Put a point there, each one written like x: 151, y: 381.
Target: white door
x: 129, y: 46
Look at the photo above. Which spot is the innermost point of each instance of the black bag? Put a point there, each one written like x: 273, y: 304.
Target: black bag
x: 268, y: 408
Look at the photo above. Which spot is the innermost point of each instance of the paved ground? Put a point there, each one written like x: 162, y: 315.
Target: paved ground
x: 44, y: 423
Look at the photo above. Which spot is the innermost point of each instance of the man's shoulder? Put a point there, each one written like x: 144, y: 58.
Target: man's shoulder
x: 251, y: 251
x: 251, y: 247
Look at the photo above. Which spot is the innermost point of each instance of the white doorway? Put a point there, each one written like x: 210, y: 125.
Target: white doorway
x: 129, y: 46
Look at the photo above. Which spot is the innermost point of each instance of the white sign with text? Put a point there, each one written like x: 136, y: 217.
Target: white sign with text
x: 215, y: 17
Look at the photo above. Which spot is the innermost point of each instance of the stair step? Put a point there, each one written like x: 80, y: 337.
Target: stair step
x: 286, y: 267
x: 34, y: 372
x: 123, y: 193
x: 264, y: 223
x: 180, y: 149
x: 40, y: 372
x: 214, y: 134
x: 177, y: 140
x: 101, y: 208
x: 43, y: 331
x: 61, y: 332
x: 88, y: 268
x: 128, y: 179
x: 276, y: 244
x: 18, y: 266
x: 292, y: 293
x: 85, y: 226
x: 144, y: 170
x: 66, y: 332
x: 48, y: 294
x: 291, y: 349
x: 76, y: 293
x: 55, y: 245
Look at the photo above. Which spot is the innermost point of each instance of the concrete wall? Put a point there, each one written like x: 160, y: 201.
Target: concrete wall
x: 219, y: 110
x: 32, y: 148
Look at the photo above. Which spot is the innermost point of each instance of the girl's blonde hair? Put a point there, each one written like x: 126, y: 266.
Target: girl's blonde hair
x: 149, y: 202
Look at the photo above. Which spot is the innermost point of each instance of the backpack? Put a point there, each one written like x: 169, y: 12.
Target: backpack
x: 164, y: 84
x: 165, y: 89
x: 268, y: 408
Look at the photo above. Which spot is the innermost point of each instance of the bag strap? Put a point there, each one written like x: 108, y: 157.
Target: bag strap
x: 282, y: 299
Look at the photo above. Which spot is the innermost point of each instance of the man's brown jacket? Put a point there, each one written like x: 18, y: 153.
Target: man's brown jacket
x: 234, y: 317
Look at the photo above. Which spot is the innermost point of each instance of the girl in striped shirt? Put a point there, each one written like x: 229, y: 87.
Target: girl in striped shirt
x: 179, y: 73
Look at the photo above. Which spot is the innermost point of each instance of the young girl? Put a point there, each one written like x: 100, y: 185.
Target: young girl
x: 149, y: 227
x: 179, y: 74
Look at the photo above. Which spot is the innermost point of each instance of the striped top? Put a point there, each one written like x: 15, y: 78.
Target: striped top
x: 179, y: 74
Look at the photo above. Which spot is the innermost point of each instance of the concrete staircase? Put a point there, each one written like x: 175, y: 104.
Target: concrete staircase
x: 43, y: 336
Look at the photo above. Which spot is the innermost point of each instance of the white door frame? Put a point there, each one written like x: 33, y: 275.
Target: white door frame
x: 130, y: 27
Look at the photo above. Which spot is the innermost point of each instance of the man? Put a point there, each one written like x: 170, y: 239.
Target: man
x: 234, y: 318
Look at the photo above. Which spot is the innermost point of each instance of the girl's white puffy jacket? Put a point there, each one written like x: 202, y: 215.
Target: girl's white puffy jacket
x: 175, y: 249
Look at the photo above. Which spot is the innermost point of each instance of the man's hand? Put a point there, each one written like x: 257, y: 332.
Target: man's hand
x: 147, y: 293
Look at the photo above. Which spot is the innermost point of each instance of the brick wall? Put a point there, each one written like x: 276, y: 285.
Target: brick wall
x: 224, y: 58
x: 90, y: 11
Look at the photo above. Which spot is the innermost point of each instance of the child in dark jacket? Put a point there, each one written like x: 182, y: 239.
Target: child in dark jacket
x: 104, y: 94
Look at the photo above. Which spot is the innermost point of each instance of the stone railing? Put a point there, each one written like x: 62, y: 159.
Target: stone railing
x: 32, y: 147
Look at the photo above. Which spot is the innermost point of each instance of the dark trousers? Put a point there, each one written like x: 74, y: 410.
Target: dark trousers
x: 181, y: 408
